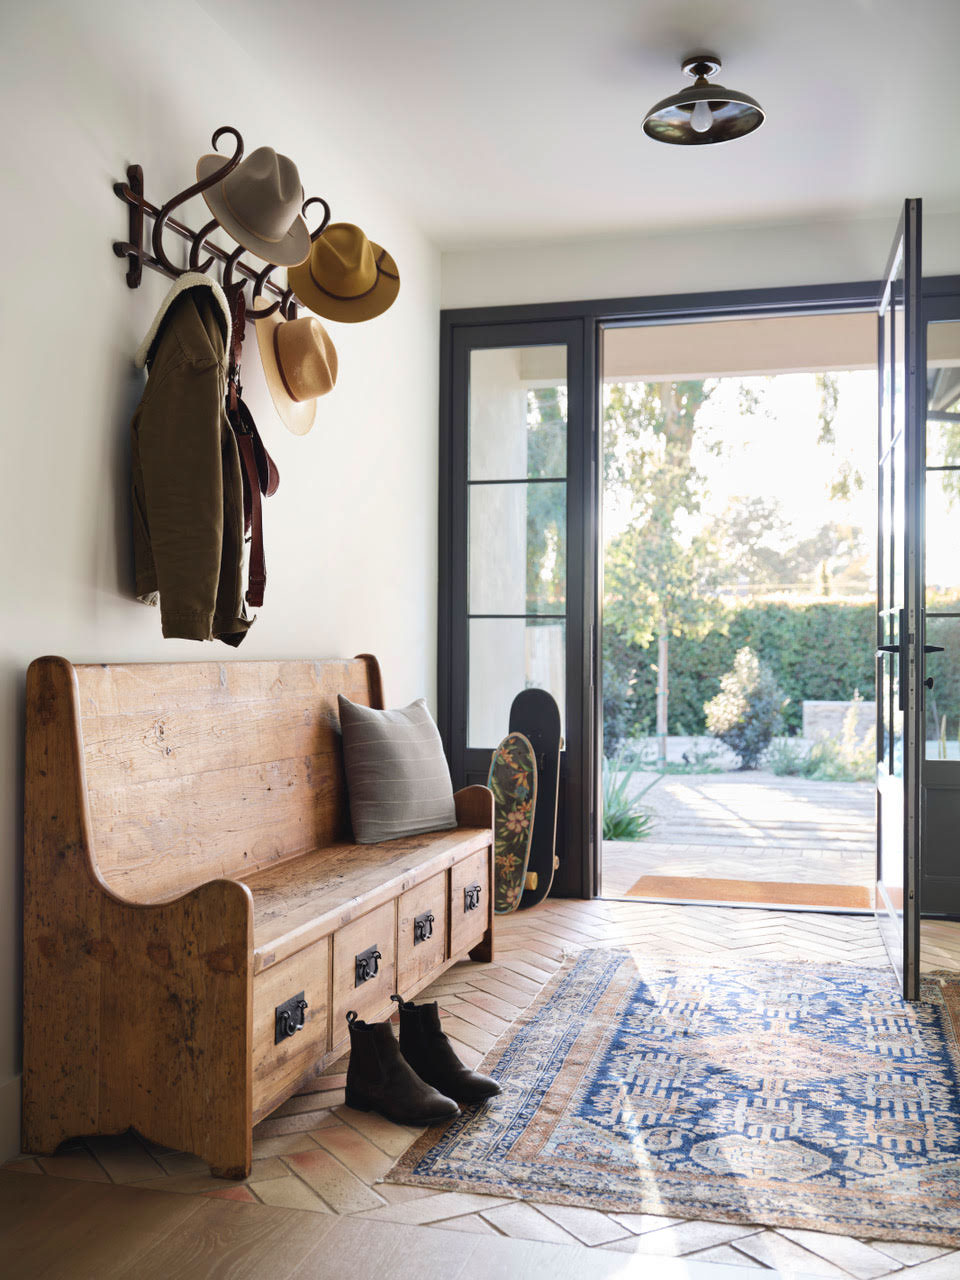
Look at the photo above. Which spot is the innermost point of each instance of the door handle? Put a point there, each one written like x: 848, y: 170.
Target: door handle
x: 933, y: 648
x: 887, y: 648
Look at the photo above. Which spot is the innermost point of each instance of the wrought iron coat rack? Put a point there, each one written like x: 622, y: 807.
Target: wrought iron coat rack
x: 136, y: 249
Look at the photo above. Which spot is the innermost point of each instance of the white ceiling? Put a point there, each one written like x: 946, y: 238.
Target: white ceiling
x: 500, y: 121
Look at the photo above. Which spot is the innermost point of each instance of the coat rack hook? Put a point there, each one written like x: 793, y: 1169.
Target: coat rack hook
x: 197, y: 244
x: 210, y: 181
x: 261, y: 313
x: 314, y: 235
x: 229, y: 265
x: 288, y: 305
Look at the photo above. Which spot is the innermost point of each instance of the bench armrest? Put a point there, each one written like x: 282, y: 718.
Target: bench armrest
x: 474, y: 807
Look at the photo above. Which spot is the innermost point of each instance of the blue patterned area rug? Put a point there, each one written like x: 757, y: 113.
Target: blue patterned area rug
x: 802, y: 1095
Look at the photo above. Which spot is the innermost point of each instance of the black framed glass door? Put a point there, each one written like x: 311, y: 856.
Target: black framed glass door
x: 940, y: 794
x: 900, y: 728
x: 514, y: 537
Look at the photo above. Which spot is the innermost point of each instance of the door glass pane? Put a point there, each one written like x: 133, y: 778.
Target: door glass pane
x: 518, y: 413
x: 518, y: 548
x: 943, y: 526
x: 506, y: 656
x: 943, y: 700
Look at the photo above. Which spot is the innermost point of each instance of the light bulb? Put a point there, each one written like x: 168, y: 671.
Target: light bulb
x: 701, y: 118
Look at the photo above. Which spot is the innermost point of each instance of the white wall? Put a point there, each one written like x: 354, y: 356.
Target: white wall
x: 351, y: 535
x: 692, y: 260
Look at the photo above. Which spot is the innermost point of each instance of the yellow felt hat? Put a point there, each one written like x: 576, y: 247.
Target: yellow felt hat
x: 346, y: 277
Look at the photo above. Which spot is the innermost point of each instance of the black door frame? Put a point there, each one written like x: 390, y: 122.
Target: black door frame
x: 579, y: 877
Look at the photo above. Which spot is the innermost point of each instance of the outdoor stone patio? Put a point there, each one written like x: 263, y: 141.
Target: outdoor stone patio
x: 748, y: 826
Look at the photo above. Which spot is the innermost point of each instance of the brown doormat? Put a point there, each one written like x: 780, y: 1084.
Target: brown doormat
x: 773, y: 892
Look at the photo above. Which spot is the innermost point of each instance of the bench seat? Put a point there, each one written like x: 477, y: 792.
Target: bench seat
x: 301, y: 899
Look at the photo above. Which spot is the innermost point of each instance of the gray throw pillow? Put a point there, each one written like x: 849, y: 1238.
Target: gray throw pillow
x: 397, y: 775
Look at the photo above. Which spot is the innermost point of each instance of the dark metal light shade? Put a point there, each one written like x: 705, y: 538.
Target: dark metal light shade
x: 732, y: 114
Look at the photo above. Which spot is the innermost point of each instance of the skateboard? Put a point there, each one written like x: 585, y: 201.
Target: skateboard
x: 535, y: 713
x: 513, y: 781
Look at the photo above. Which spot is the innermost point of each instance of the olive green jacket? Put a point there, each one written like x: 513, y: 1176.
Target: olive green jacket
x: 187, y: 487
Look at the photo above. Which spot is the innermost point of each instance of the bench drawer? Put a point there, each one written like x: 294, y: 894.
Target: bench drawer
x: 469, y: 902
x: 371, y: 998
x: 416, y: 959
x: 277, y: 1068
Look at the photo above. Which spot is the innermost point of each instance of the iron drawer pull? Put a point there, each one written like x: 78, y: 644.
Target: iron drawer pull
x: 288, y: 1018
x: 423, y: 928
x: 366, y: 966
x: 471, y: 897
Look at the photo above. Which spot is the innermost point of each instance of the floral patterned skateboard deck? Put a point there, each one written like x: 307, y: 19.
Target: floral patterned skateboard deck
x: 513, y: 781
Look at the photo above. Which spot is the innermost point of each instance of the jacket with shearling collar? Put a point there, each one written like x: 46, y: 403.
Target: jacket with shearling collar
x: 187, y: 486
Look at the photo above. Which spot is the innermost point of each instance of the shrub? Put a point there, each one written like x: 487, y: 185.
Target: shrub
x: 748, y: 710
x: 624, y: 818
x: 847, y: 759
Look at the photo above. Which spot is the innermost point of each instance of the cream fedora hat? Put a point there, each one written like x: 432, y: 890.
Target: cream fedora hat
x: 259, y: 205
x: 346, y: 277
x: 299, y: 363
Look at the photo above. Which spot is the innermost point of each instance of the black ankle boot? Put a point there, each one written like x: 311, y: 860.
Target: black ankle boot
x: 429, y: 1053
x: 379, y: 1079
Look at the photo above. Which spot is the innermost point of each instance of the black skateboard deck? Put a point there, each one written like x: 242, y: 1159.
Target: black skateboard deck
x: 535, y: 713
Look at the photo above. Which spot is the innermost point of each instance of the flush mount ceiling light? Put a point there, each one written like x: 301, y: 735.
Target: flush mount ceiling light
x: 704, y: 112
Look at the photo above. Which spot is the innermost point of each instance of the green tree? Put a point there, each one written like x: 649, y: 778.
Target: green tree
x: 546, y: 503
x: 660, y: 572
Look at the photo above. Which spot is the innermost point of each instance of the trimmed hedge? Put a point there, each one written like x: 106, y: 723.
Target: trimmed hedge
x: 814, y: 651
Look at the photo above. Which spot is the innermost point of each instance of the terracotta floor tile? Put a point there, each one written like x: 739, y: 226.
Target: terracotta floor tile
x: 728, y: 1254
x: 344, y: 1192
x: 276, y: 1126
x: 682, y: 1238
x: 282, y: 1145
x: 394, y: 1139
x: 27, y: 1164
x: 303, y: 1102
x: 525, y: 1223
x: 179, y: 1162
x: 861, y: 1260
x: 588, y: 1225
x: 395, y: 1193
x: 290, y: 1193
x: 774, y: 1250
x: 74, y: 1164
x: 124, y: 1158
x: 435, y: 1208
x: 907, y: 1253
x: 367, y: 1161
x: 472, y: 1225
x: 241, y: 1193
x: 638, y: 1223
x: 268, y: 1167
x: 946, y: 1267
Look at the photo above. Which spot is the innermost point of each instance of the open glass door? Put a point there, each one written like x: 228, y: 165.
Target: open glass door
x: 900, y: 727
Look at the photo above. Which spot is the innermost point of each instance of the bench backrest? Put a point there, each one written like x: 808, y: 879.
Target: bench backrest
x: 196, y: 771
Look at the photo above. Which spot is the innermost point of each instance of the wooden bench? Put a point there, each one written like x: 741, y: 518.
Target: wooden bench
x: 188, y: 871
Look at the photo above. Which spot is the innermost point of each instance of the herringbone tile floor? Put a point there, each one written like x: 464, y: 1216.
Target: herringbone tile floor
x: 316, y: 1154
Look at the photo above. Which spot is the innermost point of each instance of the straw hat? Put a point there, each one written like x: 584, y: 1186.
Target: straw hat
x: 300, y: 364
x: 346, y: 277
x: 259, y: 205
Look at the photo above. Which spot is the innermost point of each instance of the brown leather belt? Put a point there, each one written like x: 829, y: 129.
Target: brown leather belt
x: 259, y: 471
